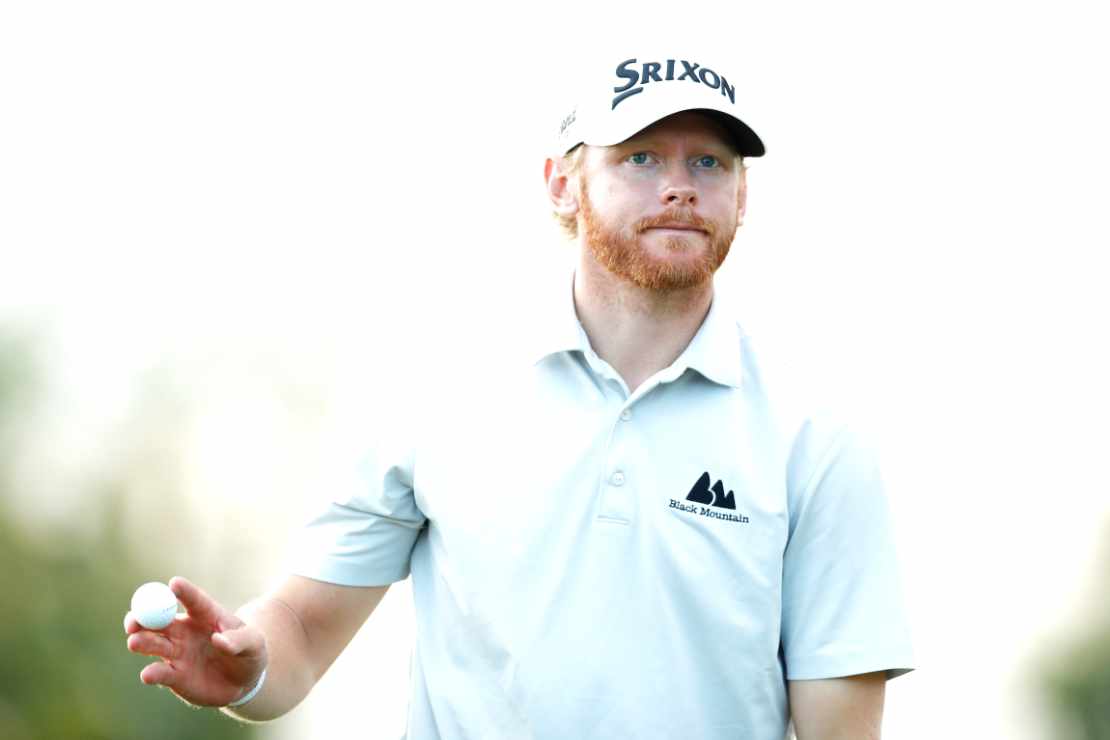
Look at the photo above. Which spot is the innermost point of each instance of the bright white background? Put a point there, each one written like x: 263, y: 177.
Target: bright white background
x: 317, y: 187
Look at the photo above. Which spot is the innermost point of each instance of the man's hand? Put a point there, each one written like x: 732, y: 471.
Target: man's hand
x: 210, y: 657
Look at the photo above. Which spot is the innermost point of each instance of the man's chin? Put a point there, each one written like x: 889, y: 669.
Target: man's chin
x: 658, y: 265
x: 676, y: 263
x: 667, y: 274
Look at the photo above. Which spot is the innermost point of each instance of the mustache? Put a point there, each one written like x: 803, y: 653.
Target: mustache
x: 683, y: 216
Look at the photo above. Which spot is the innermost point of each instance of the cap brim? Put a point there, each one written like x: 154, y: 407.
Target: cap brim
x: 748, y: 144
x: 617, y: 130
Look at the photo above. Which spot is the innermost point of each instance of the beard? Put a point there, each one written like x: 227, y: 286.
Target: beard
x: 619, y: 250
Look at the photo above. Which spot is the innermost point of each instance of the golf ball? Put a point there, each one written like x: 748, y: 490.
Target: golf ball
x: 154, y: 605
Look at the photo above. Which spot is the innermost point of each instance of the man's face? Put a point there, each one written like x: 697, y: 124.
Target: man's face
x: 661, y: 209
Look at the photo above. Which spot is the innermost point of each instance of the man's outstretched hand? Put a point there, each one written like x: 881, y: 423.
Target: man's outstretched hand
x: 210, y: 657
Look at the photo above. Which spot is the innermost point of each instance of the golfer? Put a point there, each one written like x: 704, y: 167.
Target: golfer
x: 624, y: 524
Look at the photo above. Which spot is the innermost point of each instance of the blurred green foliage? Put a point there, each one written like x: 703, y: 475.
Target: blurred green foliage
x: 65, y: 671
x: 1078, y: 687
x: 1073, y: 672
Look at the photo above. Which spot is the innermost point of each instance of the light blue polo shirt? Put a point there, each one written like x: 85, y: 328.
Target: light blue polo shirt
x: 593, y: 564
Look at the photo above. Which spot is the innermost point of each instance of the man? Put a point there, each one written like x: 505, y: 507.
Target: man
x: 621, y: 528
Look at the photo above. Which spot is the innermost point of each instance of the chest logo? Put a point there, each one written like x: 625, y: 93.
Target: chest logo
x: 701, y: 493
x: 711, y: 497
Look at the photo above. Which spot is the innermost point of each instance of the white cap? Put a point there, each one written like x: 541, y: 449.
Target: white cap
x: 628, y: 94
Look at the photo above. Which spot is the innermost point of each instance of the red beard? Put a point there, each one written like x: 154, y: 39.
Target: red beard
x: 619, y: 252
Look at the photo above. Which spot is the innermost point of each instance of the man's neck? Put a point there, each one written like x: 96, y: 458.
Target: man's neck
x: 637, y: 331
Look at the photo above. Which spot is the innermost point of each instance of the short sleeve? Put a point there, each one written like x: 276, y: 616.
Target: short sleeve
x: 363, y: 531
x: 842, y: 603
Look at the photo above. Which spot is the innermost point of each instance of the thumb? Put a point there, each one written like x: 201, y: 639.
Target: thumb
x: 242, y: 640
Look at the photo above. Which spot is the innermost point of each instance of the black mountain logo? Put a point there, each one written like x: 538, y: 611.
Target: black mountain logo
x: 702, y: 493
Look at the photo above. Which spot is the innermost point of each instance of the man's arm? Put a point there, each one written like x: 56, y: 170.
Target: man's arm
x: 846, y: 708
x: 307, y: 624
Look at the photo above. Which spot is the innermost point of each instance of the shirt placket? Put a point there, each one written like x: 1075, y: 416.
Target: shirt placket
x: 619, y: 483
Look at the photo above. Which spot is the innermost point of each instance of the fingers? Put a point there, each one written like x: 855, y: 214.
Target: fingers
x: 200, y: 605
x: 130, y: 624
x: 161, y: 674
x: 151, y: 643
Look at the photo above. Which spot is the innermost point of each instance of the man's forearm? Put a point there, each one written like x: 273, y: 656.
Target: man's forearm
x: 289, y: 673
x: 845, y: 708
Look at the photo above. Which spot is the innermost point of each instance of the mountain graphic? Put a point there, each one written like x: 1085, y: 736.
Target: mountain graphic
x: 702, y: 493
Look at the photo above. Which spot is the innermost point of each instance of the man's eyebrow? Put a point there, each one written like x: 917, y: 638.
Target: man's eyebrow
x: 719, y: 148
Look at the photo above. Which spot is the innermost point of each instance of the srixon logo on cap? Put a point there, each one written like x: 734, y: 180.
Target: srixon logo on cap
x: 642, y: 74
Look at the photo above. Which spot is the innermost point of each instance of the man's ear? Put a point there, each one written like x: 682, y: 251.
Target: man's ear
x: 560, y: 189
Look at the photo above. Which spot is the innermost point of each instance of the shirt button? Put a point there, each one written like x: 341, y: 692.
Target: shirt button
x: 617, y: 479
x: 626, y: 414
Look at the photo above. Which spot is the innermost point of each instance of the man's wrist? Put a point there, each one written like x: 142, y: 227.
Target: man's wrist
x: 250, y: 694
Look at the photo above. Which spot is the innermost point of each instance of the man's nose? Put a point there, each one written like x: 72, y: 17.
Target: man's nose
x: 684, y: 196
x: 679, y: 191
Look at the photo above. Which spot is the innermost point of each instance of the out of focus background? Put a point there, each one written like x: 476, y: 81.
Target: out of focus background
x: 220, y: 223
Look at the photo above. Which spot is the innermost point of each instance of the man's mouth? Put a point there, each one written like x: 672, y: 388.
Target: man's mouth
x: 677, y: 227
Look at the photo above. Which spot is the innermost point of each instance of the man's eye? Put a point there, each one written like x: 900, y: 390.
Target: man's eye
x: 638, y: 158
x: 707, y: 161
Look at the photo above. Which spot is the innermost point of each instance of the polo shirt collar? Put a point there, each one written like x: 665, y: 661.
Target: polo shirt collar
x: 715, y: 349
x: 714, y: 352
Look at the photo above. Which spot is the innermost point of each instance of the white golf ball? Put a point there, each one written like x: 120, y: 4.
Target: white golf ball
x: 154, y: 605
